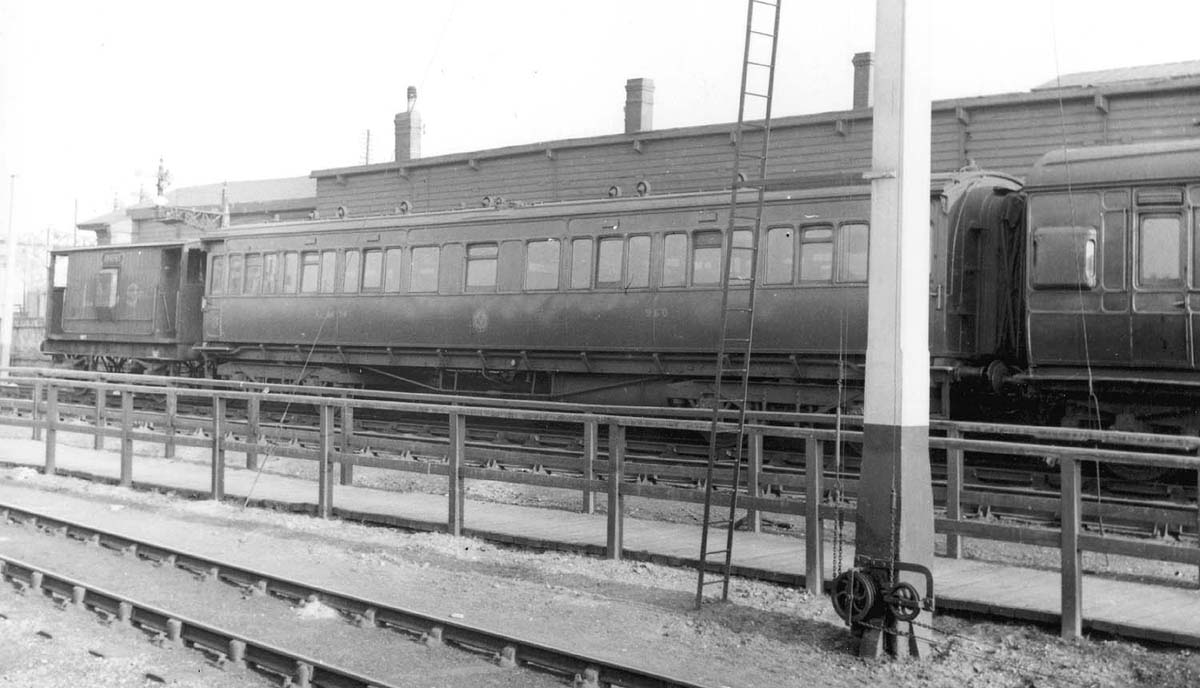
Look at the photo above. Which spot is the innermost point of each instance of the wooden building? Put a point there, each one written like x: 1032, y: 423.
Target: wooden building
x: 1005, y: 132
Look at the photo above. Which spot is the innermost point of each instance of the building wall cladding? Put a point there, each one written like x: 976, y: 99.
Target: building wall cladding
x: 1006, y: 133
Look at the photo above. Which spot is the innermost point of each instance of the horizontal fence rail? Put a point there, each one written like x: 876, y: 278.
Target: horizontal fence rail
x: 605, y: 464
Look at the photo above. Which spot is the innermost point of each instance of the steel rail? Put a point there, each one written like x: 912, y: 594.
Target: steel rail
x: 507, y: 648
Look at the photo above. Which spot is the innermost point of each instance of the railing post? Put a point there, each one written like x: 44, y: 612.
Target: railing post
x: 1071, y: 557
x: 347, y: 477
x: 954, y: 487
x: 1198, y: 517
x: 591, y: 432
x: 169, y: 430
x: 217, y: 483
x: 126, y: 439
x: 325, y: 466
x: 814, y: 543
x: 754, y: 516
x: 51, y: 428
x: 253, y: 431
x: 457, y: 488
x: 616, y: 501
x: 101, y: 413
x: 36, y: 411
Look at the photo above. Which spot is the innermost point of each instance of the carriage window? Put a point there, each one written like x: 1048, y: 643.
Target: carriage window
x: 372, y: 273
x: 350, y: 274
x: 424, y: 269
x: 217, y: 285
x: 639, y: 262
x: 852, y: 253
x: 816, y: 255
x: 541, y: 264
x: 581, y: 263
x: 481, y: 265
x: 674, y: 260
x: 270, y: 273
x: 104, y: 287
x: 1159, y: 248
x: 1064, y: 257
x: 781, y: 255
x: 291, y: 269
x: 328, y: 271
x: 608, y: 265
x: 391, y: 269
x: 254, y: 271
x: 740, y: 260
x: 235, y: 274
x: 310, y: 271
x: 61, y: 267
x: 706, y: 258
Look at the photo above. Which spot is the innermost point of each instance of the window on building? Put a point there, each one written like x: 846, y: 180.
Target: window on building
x: 781, y: 255
x: 541, y: 264
x: 424, y: 269
x: 852, y: 253
x: 236, y: 268
x: 328, y: 271
x: 816, y: 254
x: 674, y: 260
x: 1160, y: 244
x: 217, y: 281
x: 270, y: 273
x: 350, y: 271
x: 391, y: 270
x: 254, y: 273
x: 639, y: 263
x: 608, y: 264
x: 581, y: 263
x: 310, y: 272
x: 372, y: 272
x: 706, y: 257
x: 481, y: 265
x: 291, y: 271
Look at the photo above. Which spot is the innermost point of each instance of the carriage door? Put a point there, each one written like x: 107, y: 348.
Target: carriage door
x: 1160, y: 317
x: 191, y: 296
x: 167, y: 293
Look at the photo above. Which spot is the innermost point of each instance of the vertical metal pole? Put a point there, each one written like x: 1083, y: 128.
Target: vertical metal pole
x: 51, y: 428
x: 814, y: 536
x: 325, y: 467
x: 347, y: 477
x: 169, y: 429
x: 253, y: 431
x: 457, y: 489
x: 954, y: 487
x: 101, y: 423
x: 591, y: 432
x: 126, y: 440
x: 1071, y: 557
x: 37, y: 410
x: 753, y: 486
x: 616, y: 501
x: 217, y: 483
x: 9, y: 284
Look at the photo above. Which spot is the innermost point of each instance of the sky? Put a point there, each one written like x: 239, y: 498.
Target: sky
x: 93, y: 93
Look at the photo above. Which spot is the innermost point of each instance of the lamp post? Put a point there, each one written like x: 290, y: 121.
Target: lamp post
x: 9, y: 281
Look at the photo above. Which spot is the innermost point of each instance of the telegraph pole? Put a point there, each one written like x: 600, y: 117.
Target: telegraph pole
x: 10, y: 281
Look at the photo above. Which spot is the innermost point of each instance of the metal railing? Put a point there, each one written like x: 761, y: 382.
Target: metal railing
x: 603, y: 465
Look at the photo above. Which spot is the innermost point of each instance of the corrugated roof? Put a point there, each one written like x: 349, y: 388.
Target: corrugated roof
x: 1171, y: 70
x: 107, y: 219
x: 253, y: 191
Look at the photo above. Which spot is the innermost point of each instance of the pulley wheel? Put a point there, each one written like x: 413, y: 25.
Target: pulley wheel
x: 904, y: 602
x: 853, y: 595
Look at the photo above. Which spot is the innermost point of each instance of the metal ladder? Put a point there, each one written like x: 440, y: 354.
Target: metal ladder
x: 746, y: 199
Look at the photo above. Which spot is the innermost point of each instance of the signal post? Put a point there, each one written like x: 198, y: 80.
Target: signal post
x: 894, y: 523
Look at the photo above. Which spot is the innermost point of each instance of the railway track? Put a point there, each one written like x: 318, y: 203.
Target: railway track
x: 540, y: 664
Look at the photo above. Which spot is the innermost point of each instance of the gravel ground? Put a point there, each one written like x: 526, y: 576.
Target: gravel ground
x: 628, y: 611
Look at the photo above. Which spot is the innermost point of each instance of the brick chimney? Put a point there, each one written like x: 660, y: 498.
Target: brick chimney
x: 639, y: 105
x: 863, y: 97
x: 408, y: 130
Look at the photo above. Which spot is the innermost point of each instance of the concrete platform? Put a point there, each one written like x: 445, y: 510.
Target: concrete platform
x: 1158, y: 613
